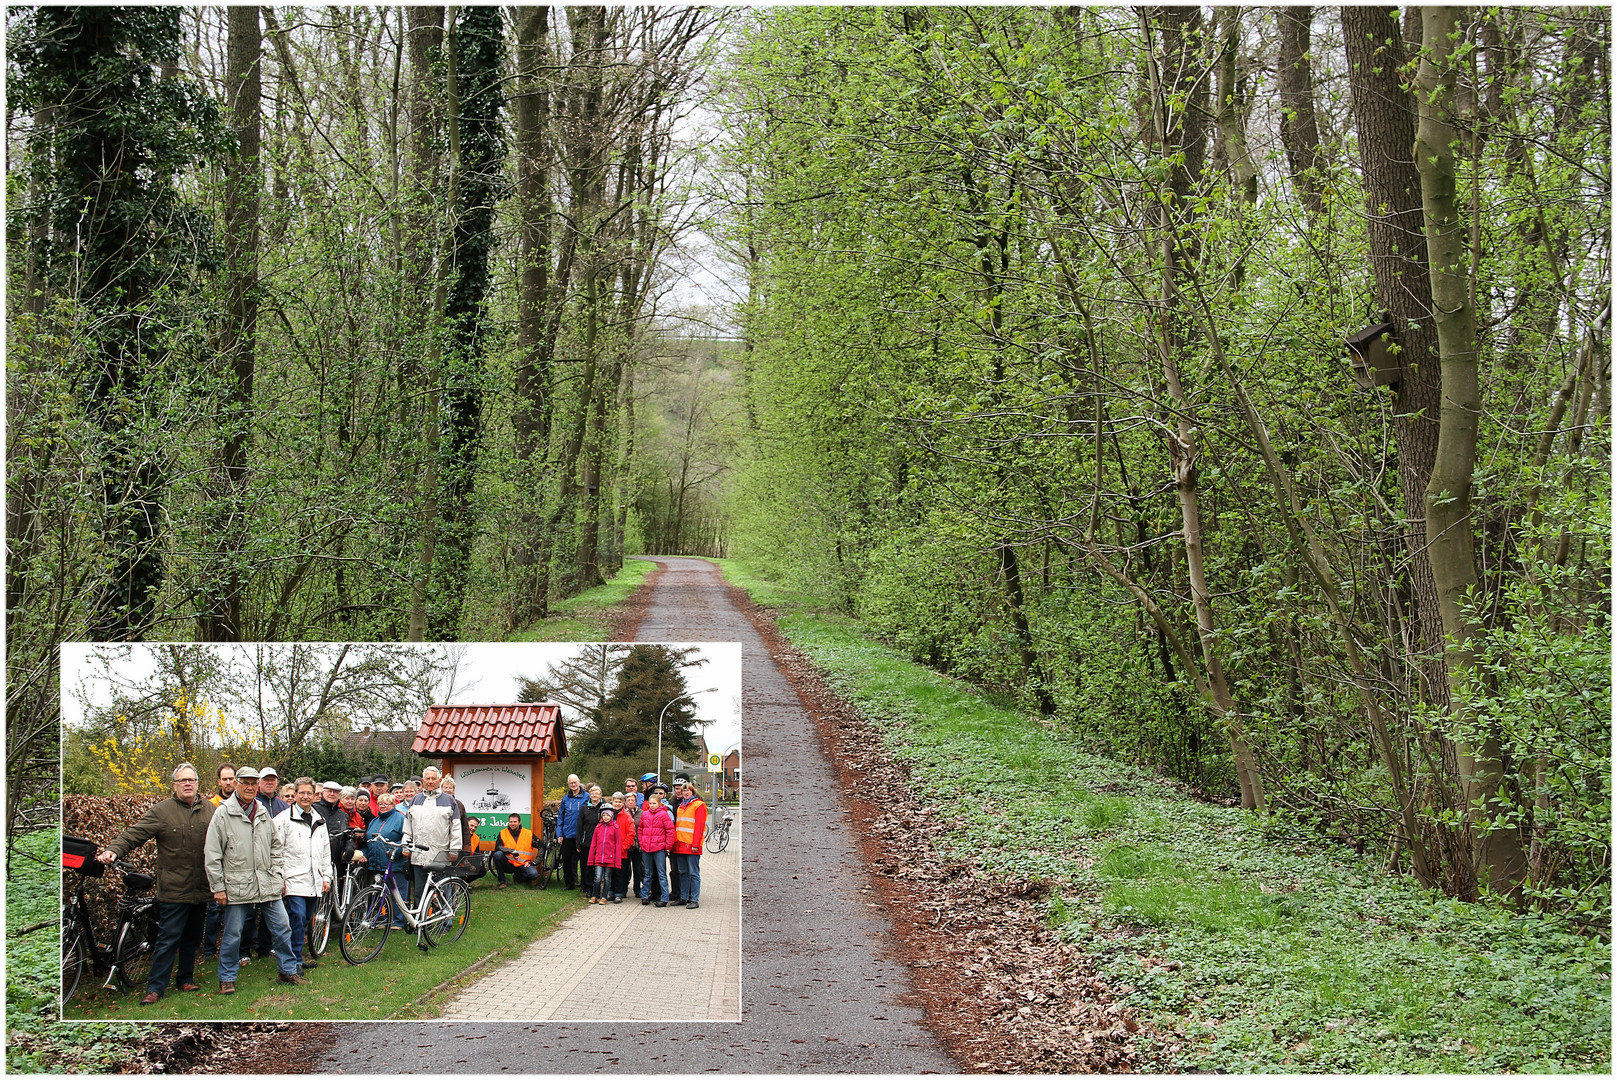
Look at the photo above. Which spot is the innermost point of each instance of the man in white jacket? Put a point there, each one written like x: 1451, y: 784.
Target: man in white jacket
x: 431, y: 821
x: 306, y: 862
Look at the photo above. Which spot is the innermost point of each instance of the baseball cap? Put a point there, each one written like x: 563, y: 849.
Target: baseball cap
x: 268, y: 770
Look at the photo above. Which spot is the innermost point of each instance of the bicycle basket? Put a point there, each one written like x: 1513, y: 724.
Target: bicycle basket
x: 471, y: 867
x: 137, y: 883
x: 79, y: 854
x: 440, y: 861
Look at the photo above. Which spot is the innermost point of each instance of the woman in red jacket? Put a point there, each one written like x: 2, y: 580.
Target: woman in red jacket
x: 656, y: 836
x: 690, y: 828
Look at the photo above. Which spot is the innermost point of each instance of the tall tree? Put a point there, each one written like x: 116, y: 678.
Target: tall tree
x: 478, y: 143
x: 1499, y: 851
x: 221, y: 616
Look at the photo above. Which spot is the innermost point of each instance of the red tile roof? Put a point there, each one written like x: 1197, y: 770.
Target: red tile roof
x: 492, y: 729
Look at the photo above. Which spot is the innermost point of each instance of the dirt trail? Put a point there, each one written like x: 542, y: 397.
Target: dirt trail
x: 820, y: 989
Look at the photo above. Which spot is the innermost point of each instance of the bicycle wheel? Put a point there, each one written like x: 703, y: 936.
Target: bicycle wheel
x: 133, y: 954
x: 724, y: 838
x: 364, y: 926
x: 320, y: 925
x: 549, y: 859
x: 453, y: 897
x: 75, y: 959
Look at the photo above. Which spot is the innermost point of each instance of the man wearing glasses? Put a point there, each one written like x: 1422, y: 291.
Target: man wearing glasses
x: 180, y: 826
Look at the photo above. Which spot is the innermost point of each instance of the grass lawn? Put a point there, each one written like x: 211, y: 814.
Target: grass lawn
x: 398, y: 984
x: 1258, y: 945
x: 588, y: 616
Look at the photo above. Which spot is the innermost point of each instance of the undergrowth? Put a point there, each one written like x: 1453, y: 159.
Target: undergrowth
x: 588, y: 616
x: 1256, y: 946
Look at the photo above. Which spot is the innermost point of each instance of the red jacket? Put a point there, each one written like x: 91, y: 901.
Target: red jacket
x: 656, y: 829
x: 690, y: 827
x: 606, y: 848
x: 626, y: 827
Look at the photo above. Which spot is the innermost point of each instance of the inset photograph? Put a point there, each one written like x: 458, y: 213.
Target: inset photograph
x: 381, y: 831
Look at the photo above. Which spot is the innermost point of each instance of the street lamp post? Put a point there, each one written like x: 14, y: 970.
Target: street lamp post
x: 664, y: 713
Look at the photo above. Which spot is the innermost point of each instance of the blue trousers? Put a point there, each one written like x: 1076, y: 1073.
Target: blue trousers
x: 690, y: 877
x: 210, y: 930
x: 179, y: 930
x: 299, y: 913
x: 273, y: 915
x: 654, y: 886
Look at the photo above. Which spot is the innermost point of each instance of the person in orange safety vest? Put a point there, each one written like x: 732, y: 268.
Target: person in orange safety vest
x: 514, y: 853
x: 690, y: 827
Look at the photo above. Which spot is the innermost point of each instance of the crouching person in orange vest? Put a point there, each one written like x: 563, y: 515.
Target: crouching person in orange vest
x: 690, y: 827
x: 514, y: 854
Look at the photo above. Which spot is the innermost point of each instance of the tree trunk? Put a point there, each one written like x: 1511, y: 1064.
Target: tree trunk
x: 422, y: 303
x: 1299, y: 132
x: 221, y: 617
x: 1497, y: 852
x: 1384, y: 113
x: 1178, y: 135
x: 535, y: 347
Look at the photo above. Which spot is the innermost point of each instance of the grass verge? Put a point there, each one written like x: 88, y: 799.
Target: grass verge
x: 588, y: 616
x: 398, y: 984
x: 1256, y: 946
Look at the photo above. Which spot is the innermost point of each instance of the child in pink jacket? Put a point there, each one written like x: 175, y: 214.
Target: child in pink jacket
x: 606, y: 855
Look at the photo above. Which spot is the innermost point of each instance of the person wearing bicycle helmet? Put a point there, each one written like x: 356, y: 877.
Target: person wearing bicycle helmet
x: 180, y: 826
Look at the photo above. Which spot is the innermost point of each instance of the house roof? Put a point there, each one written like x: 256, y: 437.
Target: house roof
x: 493, y: 729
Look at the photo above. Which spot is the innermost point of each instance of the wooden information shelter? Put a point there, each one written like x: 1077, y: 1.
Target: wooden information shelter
x: 497, y: 755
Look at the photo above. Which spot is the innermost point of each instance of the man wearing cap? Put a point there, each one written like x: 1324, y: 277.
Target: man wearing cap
x: 256, y: 932
x: 268, y: 781
x: 216, y: 911
x: 326, y: 805
x: 242, y: 858
x: 180, y: 825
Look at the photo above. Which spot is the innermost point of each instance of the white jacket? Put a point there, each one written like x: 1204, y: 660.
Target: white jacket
x: 305, y: 851
x: 435, y: 823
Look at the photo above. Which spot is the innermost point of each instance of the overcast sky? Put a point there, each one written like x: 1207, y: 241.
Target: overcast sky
x: 490, y: 673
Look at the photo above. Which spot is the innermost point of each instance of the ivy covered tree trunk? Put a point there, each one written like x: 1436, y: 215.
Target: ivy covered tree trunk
x: 480, y: 150
x: 1500, y: 861
x: 122, y: 241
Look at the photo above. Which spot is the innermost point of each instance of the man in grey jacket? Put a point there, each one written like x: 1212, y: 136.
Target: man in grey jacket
x: 431, y: 822
x: 179, y: 825
x: 242, y: 857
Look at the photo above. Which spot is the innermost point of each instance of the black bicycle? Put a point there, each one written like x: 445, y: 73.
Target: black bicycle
x: 126, y: 962
x: 548, y: 859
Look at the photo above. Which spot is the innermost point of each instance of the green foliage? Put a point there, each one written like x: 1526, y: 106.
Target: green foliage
x: 586, y: 617
x: 1260, y: 946
x: 961, y: 415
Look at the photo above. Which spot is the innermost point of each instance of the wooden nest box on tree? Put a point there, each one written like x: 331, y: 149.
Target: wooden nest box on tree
x: 1375, y: 361
x: 497, y: 755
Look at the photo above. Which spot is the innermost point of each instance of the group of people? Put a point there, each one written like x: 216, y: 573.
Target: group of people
x: 643, y: 841
x: 242, y: 871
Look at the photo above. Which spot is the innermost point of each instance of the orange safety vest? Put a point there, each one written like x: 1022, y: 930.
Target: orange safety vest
x: 687, y: 830
x: 520, y: 848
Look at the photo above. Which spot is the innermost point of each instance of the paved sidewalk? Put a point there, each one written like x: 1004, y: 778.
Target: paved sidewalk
x: 597, y: 964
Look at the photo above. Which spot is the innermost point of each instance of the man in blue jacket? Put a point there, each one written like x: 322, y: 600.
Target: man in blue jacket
x: 567, y: 832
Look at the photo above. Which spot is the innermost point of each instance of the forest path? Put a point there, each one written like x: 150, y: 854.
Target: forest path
x: 819, y: 992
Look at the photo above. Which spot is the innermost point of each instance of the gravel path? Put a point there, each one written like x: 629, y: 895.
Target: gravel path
x: 819, y: 992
